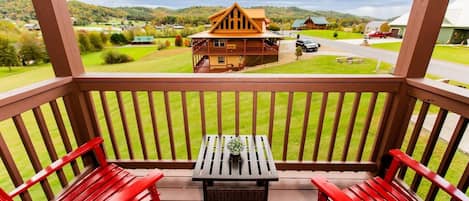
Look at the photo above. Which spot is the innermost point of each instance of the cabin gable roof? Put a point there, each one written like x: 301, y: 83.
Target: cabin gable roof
x: 227, y: 13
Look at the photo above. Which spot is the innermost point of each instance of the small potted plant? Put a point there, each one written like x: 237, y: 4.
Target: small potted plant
x: 235, y: 146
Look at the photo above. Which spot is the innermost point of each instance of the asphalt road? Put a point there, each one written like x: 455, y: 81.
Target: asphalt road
x: 440, y: 68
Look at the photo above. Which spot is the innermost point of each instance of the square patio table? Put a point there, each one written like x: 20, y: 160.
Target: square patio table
x: 224, y: 178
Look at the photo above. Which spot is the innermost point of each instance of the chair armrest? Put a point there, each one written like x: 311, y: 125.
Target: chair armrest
x: 141, y: 184
x: 329, y: 189
x: 420, y: 169
x: 57, y: 165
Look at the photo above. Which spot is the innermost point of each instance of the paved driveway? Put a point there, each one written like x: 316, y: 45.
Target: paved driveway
x: 444, y: 69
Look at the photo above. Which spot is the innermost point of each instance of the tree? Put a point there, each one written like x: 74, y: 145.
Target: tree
x: 8, y: 56
x: 178, y: 41
x: 273, y: 27
x: 84, y: 42
x: 104, y: 37
x: 298, y: 52
x: 32, y: 50
x: 385, y: 27
x: 118, y: 39
x: 96, y: 41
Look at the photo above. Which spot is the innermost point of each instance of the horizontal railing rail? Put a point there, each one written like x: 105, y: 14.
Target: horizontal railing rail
x: 435, y: 137
x: 326, y: 122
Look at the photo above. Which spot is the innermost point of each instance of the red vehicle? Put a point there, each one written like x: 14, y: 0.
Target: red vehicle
x: 378, y: 34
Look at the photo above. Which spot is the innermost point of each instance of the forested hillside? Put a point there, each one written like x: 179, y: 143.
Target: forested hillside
x: 85, y: 14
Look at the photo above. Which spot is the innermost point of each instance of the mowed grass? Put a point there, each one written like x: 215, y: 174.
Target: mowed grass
x: 170, y: 61
x: 456, y: 54
x: 329, y: 34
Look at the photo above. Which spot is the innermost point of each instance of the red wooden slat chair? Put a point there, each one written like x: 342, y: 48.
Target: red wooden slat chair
x: 106, y: 182
x: 386, y: 189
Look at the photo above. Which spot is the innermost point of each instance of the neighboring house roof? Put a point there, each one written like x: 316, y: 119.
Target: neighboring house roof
x: 298, y: 23
x: 457, y: 15
x: 317, y: 20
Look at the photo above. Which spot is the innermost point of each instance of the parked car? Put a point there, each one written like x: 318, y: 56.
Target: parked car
x: 378, y: 34
x: 308, y: 45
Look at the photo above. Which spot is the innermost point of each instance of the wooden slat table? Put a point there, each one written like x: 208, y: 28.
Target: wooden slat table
x: 215, y: 165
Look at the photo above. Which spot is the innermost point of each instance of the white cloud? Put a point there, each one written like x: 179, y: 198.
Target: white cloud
x: 380, y: 12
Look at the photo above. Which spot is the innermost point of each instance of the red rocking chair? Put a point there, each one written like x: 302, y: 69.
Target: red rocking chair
x: 386, y: 189
x: 106, y: 182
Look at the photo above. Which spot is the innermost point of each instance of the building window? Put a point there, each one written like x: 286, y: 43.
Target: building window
x: 219, y: 43
x: 221, y: 60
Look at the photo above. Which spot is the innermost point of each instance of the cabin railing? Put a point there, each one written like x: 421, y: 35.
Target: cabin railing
x: 313, y: 122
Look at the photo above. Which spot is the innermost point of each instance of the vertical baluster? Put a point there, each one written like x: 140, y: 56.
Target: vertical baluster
x: 110, y: 127
x: 271, y: 116
x: 154, y: 124
x: 186, y: 125
x: 287, y: 126
x: 124, y: 124
x: 464, y: 181
x: 32, y: 154
x: 237, y: 113
x: 11, y: 168
x: 449, y: 154
x: 63, y: 134
x: 338, y: 112
x: 38, y: 115
x: 322, y: 114
x: 219, y: 113
x: 415, y: 134
x: 366, y: 127
x: 351, y: 125
x: 170, y: 125
x: 430, y: 146
x: 254, y: 113
x: 202, y: 112
x: 141, y: 132
x: 305, y: 125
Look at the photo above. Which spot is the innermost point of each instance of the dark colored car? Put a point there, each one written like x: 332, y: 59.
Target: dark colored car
x: 378, y: 34
x: 308, y: 45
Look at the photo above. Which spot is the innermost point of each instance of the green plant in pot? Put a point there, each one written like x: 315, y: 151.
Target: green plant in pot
x: 235, y: 146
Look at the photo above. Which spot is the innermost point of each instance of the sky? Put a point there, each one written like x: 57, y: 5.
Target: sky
x: 374, y: 8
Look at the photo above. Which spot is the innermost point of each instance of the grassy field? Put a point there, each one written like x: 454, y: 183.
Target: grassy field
x: 178, y: 60
x: 329, y: 34
x: 456, y: 54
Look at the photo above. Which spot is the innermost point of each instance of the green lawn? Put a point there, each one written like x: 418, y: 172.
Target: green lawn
x: 329, y: 34
x: 327, y: 65
x: 136, y: 52
x: 456, y: 54
x: 178, y: 60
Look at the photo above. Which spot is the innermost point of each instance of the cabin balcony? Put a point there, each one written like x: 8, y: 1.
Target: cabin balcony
x: 202, y: 48
x: 338, y: 126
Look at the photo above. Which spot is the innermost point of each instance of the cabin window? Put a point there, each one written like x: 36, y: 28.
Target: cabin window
x: 221, y: 60
x: 219, y: 43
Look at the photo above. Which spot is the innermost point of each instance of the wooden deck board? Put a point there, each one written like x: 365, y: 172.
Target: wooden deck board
x: 177, y: 185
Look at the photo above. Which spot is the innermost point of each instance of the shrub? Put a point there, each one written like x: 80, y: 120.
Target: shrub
x: 167, y: 43
x: 84, y: 41
x: 187, y: 43
x: 298, y: 52
x: 274, y: 27
x: 114, y: 57
x: 178, y: 41
x: 118, y: 39
x: 160, y: 45
x: 96, y: 41
x: 104, y: 37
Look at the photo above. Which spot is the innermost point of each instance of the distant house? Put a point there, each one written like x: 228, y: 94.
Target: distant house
x: 143, y: 40
x: 455, y: 27
x: 373, y: 26
x: 32, y: 27
x: 310, y: 23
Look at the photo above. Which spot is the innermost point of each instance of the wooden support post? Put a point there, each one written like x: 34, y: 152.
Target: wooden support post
x: 425, y: 20
x: 62, y: 47
x: 263, y: 47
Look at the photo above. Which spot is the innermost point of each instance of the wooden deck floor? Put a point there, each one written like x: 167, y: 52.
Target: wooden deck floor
x: 177, y: 185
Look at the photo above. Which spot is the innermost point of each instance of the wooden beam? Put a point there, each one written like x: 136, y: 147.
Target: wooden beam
x: 422, y: 31
x: 59, y: 37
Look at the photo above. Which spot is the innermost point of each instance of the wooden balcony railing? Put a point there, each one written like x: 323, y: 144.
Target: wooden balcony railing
x: 266, y: 50
x: 330, y: 123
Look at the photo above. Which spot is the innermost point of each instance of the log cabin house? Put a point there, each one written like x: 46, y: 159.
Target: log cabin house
x: 310, y: 23
x: 237, y: 38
